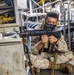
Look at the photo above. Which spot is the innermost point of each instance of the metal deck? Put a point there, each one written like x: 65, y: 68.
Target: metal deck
x: 57, y: 72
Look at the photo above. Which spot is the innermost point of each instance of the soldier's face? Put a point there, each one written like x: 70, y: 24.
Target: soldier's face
x: 52, y: 21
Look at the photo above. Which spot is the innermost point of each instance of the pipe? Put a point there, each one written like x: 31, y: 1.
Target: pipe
x: 69, y: 4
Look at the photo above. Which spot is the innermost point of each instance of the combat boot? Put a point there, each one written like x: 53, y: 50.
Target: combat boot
x: 63, y: 67
x: 66, y: 68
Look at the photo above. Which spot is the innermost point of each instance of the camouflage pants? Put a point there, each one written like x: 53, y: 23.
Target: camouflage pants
x: 41, y: 61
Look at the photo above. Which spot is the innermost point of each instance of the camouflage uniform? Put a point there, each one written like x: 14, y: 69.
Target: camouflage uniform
x: 41, y: 61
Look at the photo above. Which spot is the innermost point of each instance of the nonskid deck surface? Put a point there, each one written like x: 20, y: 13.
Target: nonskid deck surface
x: 57, y: 72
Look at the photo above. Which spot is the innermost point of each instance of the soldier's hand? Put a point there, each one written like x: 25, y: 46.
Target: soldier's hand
x: 44, y: 38
x: 52, y: 39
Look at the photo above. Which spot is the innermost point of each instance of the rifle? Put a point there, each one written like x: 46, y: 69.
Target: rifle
x: 57, y: 34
